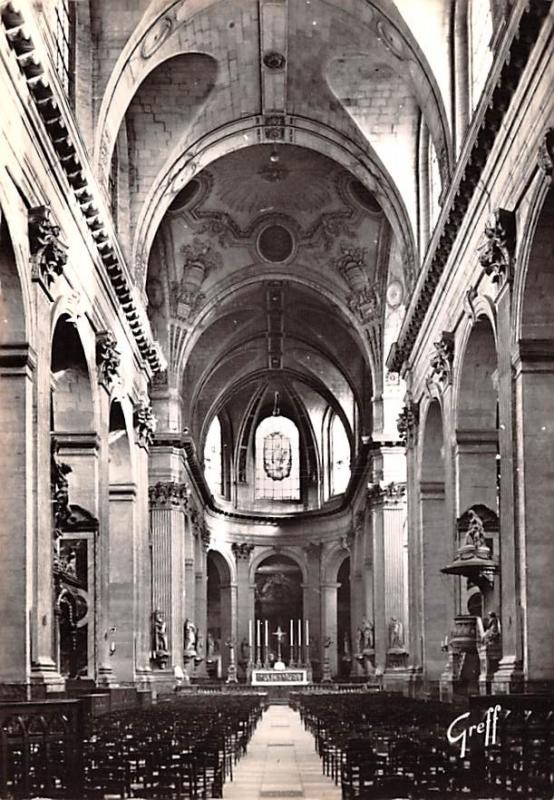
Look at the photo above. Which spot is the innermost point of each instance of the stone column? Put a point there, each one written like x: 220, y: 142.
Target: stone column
x: 394, y: 544
x: 123, y: 569
x: 526, y: 565
x: 312, y: 605
x: 378, y: 550
x: 167, y: 533
x: 229, y: 622
x: 143, y: 575
x: 245, y: 599
x: 17, y: 367
x: 201, y: 615
x: 329, y: 623
x: 436, y: 591
x: 44, y: 670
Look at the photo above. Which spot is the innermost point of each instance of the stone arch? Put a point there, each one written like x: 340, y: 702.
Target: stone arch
x: 119, y: 441
x: 72, y: 394
x: 361, y: 162
x: 13, y: 316
x: 332, y: 562
x: 434, y: 548
x: 291, y: 552
x: 221, y: 578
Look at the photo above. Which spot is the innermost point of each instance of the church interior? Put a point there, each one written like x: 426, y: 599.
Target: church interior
x: 276, y: 398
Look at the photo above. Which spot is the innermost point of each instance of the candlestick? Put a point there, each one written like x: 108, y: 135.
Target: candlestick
x: 250, y: 633
x: 299, y: 632
x: 291, y: 633
x: 307, y: 633
x: 266, y: 633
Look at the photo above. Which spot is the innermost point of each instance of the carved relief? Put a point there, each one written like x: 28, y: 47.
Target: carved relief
x: 496, y: 254
x: 48, y: 253
x: 200, y: 260
x: 407, y: 424
x: 274, y: 127
x: 59, y: 490
x: 443, y: 359
x: 167, y: 494
x: 156, y: 36
x: 108, y: 357
x: 242, y: 551
x: 144, y: 423
x: 365, y: 304
x: 546, y: 152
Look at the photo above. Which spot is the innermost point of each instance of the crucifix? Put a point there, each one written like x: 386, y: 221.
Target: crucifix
x: 280, y: 635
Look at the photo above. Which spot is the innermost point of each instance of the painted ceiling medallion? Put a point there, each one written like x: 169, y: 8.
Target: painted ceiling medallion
x: 395, y: 293
x: 275, y: 243
x: 274, y: 60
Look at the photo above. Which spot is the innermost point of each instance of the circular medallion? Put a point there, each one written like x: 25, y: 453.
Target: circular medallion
x: 395, y: 293
x: 275, y: 243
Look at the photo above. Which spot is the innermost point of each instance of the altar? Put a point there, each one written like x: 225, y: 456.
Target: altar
x: 290, y: 676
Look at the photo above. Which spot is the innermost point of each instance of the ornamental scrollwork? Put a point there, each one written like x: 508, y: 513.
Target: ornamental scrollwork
x: 407, y: 424
x: 443, y: 359
x: 200, y: 259
x: 59, y: 490
x: 496, y: 254
x: 144, y: 423
x: 166, y: 494
x: 242, y: 550
x: 48, y: 252
x: 108, y: 357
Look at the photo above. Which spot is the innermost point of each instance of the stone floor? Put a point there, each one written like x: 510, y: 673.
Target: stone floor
x: 281, y: 762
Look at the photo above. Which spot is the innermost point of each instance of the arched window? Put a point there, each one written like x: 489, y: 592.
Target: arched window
x: 339, y: 456
x: 213, y: 471
x: 64, y: 38
x: 277, y: 459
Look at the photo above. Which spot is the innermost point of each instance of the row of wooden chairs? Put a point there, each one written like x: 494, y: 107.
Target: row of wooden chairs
x: 389, y: 746
x: 181, y: 749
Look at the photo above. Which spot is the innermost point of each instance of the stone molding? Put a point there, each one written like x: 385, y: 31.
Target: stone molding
x: 72, y: 161
x: 392, y: 493
x: 469, y: 170
x: 168, y: 494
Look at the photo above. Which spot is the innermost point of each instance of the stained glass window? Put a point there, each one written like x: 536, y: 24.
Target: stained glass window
x: 213, y: 457
x: 339, y: 456
x: 277, y: 457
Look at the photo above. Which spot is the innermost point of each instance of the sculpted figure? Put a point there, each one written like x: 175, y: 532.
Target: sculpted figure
x: 396, y: 633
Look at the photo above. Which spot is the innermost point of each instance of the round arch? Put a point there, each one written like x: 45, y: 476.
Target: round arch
x: 290, y: 552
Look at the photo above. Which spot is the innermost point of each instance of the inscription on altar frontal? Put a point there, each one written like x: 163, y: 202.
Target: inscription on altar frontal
x: 279, y: 676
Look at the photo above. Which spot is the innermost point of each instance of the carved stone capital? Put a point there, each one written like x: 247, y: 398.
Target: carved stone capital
x: 496, y: 254
x: 48, y: 252
x: 242, y: 550
x: 443, y: 358
x: 108, y: 358
x: 168, y: 494
x: 407, y: 424
x: 144, y: 423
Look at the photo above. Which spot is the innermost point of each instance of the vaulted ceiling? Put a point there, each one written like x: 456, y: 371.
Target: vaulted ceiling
x: 271, y: 205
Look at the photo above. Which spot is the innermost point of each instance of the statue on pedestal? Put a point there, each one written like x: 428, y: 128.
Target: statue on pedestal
x: 396, y: 634
x: 190, y: 639
x: 160, y: 650
x: 366, y: 636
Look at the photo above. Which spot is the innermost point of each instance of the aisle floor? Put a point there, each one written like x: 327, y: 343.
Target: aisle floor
x: 281, y: 762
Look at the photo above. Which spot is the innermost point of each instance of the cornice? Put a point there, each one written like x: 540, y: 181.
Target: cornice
x: 72, y: 158
x: 485, y: 127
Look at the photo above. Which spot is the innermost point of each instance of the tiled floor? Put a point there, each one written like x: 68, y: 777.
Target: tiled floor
x: 281, y: 762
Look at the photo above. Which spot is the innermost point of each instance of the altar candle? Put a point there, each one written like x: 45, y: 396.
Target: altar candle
x: 307, y: 632
x: 258, y: 633
x: 250, y: 633
x: 266, y: 633
x: 291, y: 633
x: 299, y: 632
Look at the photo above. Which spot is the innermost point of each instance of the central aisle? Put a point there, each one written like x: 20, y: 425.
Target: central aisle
x: 281, y: 762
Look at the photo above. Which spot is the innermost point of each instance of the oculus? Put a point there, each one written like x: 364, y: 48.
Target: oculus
x: 275, y: 243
